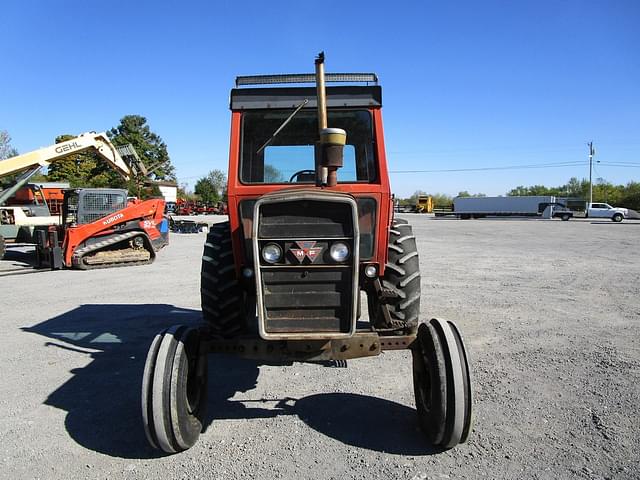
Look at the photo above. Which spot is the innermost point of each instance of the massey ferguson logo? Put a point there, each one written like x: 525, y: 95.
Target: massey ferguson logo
x: 306, y: 249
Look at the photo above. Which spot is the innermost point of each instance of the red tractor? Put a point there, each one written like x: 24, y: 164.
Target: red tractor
x: 310, y: 228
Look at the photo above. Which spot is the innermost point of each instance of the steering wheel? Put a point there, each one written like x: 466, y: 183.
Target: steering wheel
x: 301, y: 172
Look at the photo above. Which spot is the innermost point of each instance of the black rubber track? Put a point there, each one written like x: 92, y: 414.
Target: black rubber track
x: 224, y: 303
x: 402, y: 275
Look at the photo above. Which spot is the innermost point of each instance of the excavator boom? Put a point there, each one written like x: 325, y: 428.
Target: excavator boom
x: 98, y: 142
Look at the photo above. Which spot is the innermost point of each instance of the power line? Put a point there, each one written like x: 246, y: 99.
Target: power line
x: 507, y: 167
x: 624, y: 165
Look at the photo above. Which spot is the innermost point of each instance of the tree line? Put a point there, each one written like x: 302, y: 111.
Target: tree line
x: 627, y: 195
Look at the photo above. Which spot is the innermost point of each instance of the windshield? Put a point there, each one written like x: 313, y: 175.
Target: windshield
x: 289, y: 157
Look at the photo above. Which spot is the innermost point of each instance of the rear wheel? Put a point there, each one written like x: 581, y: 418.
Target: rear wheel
x: 3, y: 247
x: 617, y: 217
x: 565, y: 217
x: 224, y: 302
x: 402, y: 278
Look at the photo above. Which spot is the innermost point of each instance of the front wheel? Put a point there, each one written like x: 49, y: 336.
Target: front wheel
x: 565, y: 217
x: 174, y: 390
x: 442, y: 384
x: 617, y: 217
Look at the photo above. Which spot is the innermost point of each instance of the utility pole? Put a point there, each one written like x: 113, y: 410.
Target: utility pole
x: 592, y: 152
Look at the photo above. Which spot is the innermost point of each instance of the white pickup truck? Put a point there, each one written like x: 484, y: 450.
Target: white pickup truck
x: 604, y: 210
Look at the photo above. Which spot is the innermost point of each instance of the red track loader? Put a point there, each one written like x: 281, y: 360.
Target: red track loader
x: 100, y: 229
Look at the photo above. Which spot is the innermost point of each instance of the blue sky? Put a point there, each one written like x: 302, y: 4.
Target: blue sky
x: 466, y: 84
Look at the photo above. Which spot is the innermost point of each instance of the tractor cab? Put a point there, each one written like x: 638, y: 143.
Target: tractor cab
x: 316, y: 189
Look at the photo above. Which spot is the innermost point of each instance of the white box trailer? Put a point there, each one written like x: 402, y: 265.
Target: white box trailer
x: 535, y: 205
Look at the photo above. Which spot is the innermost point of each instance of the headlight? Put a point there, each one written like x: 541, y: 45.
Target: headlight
x: 339, y: 251
x: 271, y: 253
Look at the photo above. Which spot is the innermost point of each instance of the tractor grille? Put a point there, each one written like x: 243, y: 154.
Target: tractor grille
x: 298, y: 300
x: 310, y: 295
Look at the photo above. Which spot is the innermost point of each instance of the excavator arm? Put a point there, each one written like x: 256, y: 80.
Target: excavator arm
x: 29, y: 163
x: 99, y: 142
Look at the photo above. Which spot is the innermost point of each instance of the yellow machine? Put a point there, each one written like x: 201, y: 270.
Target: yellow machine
x: 424, y: 204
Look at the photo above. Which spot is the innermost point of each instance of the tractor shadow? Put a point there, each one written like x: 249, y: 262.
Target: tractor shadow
x: 102, y: 399
x: 22, y: 256
x: 103, y: 404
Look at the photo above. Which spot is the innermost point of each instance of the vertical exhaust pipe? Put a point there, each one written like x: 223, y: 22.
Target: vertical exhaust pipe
x: 321, y: 93
x: 332, y: 140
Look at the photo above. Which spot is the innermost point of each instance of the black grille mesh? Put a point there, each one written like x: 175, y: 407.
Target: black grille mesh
x: 309, y: 297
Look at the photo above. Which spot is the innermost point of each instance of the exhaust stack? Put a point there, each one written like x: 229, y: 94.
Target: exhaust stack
x: 332, y: 140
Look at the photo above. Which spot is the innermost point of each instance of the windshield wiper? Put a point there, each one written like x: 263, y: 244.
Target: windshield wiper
x: 284, y: 124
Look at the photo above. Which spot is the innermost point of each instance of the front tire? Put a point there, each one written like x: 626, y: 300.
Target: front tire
x: 174, y: 390
x: 617, y: 217
x: 224, y: 303
x: 442, y: 384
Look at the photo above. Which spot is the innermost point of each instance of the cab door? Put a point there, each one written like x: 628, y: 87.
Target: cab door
x: 599, y: 210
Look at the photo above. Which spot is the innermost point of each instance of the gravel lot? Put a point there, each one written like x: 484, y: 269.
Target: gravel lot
x: 549, y: 310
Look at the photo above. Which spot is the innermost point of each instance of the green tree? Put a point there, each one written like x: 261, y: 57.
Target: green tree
x: 441, y: 200
x: 79, y: 169
x: 151, y: 149
x: 413, y: 199
x: 272, y: 174
x: 212, y: 187
x: 630, y: 196
x: 465, y: 193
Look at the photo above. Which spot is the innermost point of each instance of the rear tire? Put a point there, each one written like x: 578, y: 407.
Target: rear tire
x: 402, y: 276
x: 3, y: 247
x: 565, y: 218
x: 617, y: 217
x: 224, y: 302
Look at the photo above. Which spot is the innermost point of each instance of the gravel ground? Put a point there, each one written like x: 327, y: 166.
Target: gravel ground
x: 549, y: 311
